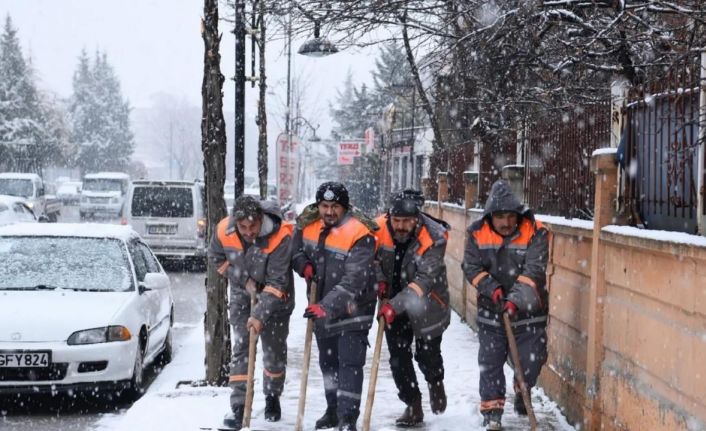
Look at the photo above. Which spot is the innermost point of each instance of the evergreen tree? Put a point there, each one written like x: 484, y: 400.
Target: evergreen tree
x: 99, y: 116
x: 393, y: 83
x: 20, y: 114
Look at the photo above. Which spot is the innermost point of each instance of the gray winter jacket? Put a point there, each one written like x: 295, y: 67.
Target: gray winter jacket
x: 342, y: 257
x: 516, y: 263
x: 425, y: 294
x: 267, y: 262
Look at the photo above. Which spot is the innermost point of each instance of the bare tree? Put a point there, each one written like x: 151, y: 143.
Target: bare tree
x: 213, y: 144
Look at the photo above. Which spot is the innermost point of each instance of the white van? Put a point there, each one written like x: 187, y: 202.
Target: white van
x: 103, y: 194
x: 170, y: 216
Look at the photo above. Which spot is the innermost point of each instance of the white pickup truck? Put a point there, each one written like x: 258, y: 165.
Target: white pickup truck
x: 30, y: 188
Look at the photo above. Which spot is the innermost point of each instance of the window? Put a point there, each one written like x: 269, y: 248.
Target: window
x: 150, y: 260
x: 155, y: 201
x: 93, y: 264
x: 138, y: 259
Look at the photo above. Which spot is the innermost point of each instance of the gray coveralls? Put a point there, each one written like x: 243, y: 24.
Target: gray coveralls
x: 267, y: 262
x: 517, y: 264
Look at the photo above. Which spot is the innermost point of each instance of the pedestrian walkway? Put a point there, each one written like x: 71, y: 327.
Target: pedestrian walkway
x: 165, y: 407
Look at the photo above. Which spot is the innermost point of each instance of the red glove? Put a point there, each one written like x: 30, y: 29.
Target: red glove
x: 510, y: 309
x: 308, y: 272
x: 497, y: 296
x: 314, y: 311
x: 388, y: 313
x: 383, y: 289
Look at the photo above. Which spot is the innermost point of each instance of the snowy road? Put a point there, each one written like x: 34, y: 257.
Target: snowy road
x: 166, y: 408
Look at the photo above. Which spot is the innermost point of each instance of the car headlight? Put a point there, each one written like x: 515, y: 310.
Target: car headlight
x: 30, y: 205
x: 105, y: 334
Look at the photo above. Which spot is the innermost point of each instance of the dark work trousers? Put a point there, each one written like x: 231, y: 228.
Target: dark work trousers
x: 494, y: 351
x: 341, y: 359
x: 273, y: 340
x: 427, y: 353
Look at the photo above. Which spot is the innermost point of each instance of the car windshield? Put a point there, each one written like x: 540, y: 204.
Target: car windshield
x: 93, y: 264
x: 16, y: 187
x: 162, y: 202
x: 102, y: 185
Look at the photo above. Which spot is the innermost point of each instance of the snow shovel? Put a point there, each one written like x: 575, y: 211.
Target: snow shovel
x: 515, y: 354
x: 305, y: 361
x: 373, y: 373
x: 252, y: 350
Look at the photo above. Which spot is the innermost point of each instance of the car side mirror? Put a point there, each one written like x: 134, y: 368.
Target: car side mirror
x: 154, y: 281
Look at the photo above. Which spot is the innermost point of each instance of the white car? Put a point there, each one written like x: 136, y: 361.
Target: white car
x: 83, y: 307
x: 14, y: 210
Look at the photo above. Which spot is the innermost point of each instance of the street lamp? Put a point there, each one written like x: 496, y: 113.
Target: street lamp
x: 318, y: 46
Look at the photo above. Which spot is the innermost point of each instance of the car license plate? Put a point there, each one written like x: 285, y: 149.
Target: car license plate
x: 34, y: 359
x: 161, y: 230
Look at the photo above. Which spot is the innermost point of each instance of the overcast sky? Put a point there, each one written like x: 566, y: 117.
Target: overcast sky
x: 155, y: 47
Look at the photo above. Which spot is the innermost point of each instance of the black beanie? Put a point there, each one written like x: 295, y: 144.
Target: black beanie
x: 334, y: 192
x: 406, y: 203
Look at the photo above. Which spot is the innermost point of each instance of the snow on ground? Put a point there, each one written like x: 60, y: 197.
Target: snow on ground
x: 165, y: 407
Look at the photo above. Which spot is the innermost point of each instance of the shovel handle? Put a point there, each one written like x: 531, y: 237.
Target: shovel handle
x: 519, y: 371
x: 305, y: 362
x: 252, y: 351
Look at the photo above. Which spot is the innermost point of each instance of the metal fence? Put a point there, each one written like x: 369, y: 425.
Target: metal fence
x: 557, y: 155
x: 662, y: 146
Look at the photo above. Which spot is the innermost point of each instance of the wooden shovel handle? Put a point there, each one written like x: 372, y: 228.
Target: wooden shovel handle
x: 252, y: 351
x: 305, y: 362
x: 519, y: 371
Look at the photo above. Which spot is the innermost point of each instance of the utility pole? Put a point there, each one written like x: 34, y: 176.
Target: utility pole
x: 239, y: 79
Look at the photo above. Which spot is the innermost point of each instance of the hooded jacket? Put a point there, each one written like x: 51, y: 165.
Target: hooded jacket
x: 516, y: 263
x: 424, y: 296
x: 266, y: 261
x: 342, y: 257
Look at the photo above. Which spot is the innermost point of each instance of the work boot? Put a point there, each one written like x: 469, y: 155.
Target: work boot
x: 412, y: 415
x: 328, y: 420
x: 234, y: 420
x: 273, y: 411
x: 347, y: 424
x: 520, y: 408
x: 492, y: 419
x: 437, y: 397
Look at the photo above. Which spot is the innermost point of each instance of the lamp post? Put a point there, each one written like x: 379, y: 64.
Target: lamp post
x: 239, y: 78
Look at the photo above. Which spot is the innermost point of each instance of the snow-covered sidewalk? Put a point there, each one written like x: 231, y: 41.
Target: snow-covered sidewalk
x: 165, y: 407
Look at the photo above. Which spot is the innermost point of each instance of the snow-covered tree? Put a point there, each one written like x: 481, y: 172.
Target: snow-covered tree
x: 21, y: 128
x: 100, y: 117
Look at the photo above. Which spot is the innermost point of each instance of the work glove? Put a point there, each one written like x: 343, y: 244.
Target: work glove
x: 383, y: 289
x: 510, y: 309
x: 308, y: 272
x: 388, y: 312
x: 315, y: 311
x: 497, y: 298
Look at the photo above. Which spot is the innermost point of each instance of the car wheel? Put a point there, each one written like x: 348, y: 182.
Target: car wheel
x: 165, y: 356
x: 137, y: 384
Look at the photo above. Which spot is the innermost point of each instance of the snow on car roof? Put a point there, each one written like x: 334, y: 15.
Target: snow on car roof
x: 19, y: 176
x: 108, y: 175
x: 163, y: 183
x: 82, y: 230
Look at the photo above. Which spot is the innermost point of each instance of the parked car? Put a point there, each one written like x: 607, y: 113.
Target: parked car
x: 69, y: 192
x: 103, y: 194
x: 14, y: 210
x: 30, y: 189
x: 84, y: 307
x: 170, y: 216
